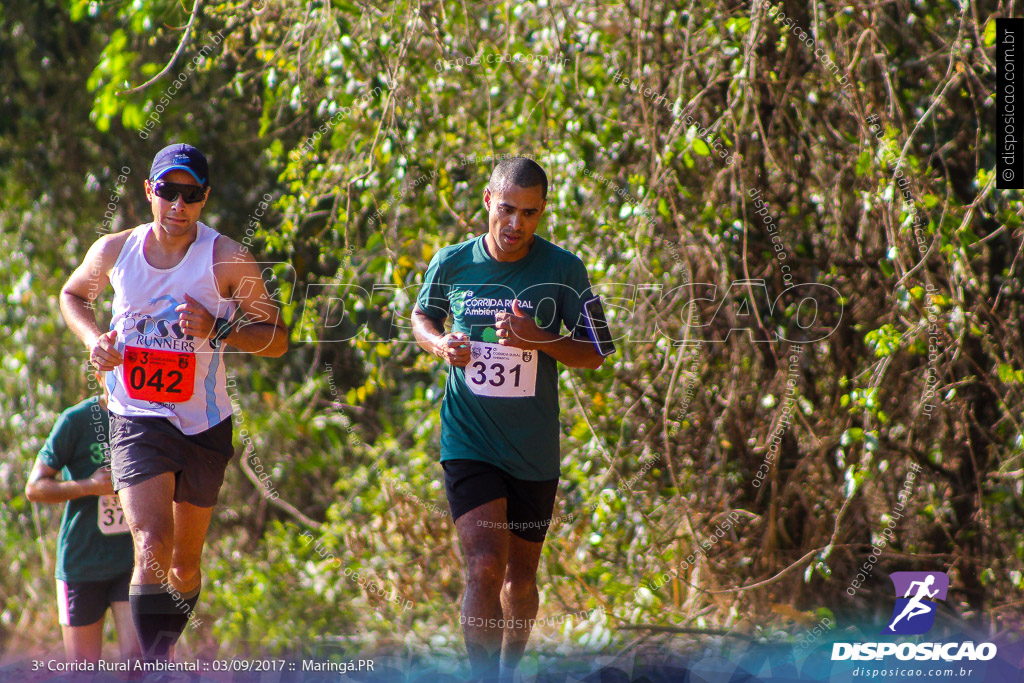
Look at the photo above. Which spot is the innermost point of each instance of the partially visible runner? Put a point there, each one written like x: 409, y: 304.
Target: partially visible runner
x: 509, y: 292
x: 178, y: 289
x: 94, y: 548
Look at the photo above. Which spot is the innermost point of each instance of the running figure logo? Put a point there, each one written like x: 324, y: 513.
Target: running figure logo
x: 914, y: 612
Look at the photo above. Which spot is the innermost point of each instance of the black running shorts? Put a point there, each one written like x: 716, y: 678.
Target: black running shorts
x: 80, y: 603
x: 471, y: 483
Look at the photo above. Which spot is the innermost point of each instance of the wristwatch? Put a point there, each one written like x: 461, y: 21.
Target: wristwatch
x: 221, y: 329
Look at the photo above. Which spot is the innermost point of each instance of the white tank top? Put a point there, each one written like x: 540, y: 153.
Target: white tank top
x: 167, y: 373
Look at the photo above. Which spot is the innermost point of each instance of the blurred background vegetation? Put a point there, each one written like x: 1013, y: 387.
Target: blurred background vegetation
x: 373, y: 127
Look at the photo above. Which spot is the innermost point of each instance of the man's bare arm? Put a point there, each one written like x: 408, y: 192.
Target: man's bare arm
x: 44, y: 487
x: 573, y: 353
x: 82, y: 289
x: 430, y: 335
x: 258, y: 329
x: 518, y: 329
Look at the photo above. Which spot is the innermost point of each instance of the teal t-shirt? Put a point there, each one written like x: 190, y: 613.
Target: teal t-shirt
x: 518, y: 434
x: 78, y: 446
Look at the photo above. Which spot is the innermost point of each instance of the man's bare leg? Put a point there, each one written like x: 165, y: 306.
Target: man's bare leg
x: 168, y: 540
x: 519, y: 600
x: 148, y: 508
x: 83, y: 643
x: 127, y: 640
x: 191, y: 523
x: 483, y: 535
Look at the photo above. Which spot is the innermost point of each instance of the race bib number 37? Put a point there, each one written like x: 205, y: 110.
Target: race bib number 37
x: 153, y: 375
x: 111, y: 519
x: 501, y: 371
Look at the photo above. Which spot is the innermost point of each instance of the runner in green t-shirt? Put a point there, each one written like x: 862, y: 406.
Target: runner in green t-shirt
x: 508, y: 293
x: 94, y: 549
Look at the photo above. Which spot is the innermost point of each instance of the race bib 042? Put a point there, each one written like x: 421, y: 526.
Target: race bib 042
x: 164, y: 376
x: 501, y: 371
x: 111, y: 520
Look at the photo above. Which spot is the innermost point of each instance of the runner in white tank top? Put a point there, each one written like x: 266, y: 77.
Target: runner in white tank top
x: 187, y: 385
x: 177, y: 284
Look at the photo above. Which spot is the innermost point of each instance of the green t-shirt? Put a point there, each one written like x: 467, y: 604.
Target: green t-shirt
x: 78, y: 446
x: 518, y: 434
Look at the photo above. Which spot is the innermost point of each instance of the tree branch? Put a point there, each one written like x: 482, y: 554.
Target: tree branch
x: 174, y: 57
x: 279, y: 502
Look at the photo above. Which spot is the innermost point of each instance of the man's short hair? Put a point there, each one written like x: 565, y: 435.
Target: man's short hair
x: 521, y: 172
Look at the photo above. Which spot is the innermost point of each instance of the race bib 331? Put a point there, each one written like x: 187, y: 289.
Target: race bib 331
x: 501, y: 371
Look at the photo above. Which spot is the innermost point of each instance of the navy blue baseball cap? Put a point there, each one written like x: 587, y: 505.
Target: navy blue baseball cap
x: 180, y: 157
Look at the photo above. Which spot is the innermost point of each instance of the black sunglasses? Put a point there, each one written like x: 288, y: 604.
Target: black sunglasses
x: 170, y: 191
